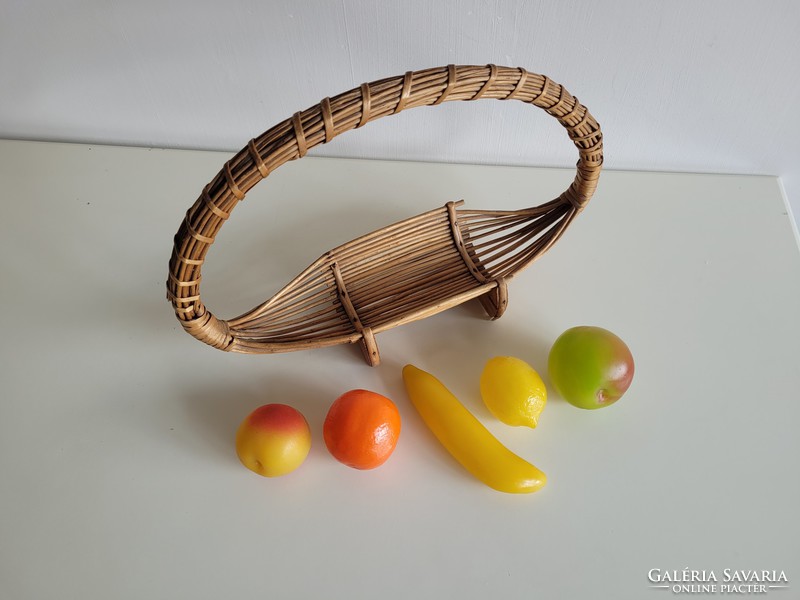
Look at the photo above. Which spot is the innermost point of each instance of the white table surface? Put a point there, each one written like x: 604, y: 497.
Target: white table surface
x: 118, y: 475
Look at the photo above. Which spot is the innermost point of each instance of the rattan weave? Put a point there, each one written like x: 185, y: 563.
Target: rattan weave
x: 401, y: 273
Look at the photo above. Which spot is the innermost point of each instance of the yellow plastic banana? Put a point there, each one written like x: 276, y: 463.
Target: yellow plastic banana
x: 470, y: 443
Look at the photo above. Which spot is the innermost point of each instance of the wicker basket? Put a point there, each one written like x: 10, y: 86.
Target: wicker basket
x: 404, y: 272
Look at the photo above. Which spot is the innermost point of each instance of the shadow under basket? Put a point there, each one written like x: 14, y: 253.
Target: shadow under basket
x: 401, y: 273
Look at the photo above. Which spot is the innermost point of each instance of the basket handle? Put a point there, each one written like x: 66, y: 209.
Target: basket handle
x: 292, y: 138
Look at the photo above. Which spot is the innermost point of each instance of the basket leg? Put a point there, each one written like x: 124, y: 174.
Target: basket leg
x: 369, y: 347
x: 495, y: 301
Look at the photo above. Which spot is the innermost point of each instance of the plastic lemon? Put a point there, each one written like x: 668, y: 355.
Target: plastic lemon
x: 513, y: 391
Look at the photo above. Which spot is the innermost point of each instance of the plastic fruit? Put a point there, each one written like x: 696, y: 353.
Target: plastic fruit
x: 590, y: 367
x: 273, y: 440
x: 513, y: 391
x: 467, y: 440
x: 361, y: 429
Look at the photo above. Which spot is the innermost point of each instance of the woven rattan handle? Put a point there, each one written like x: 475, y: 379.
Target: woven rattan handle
x: 319, y: 124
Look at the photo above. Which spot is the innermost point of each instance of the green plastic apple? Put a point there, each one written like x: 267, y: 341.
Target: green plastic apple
x: 590, y: 367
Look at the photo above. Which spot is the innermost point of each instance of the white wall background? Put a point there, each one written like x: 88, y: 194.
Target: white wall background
x: 710, y: 86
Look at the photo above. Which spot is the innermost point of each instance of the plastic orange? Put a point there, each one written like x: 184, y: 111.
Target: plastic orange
x: 361, y: 429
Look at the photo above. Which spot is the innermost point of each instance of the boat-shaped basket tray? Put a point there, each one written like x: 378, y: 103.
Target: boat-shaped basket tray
x: 406, y: 271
